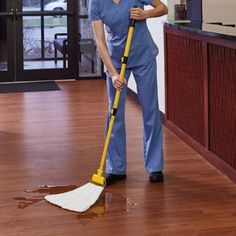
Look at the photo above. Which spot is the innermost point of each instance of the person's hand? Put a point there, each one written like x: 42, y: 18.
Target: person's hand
x: 117, y: 83
x: 137, y: 13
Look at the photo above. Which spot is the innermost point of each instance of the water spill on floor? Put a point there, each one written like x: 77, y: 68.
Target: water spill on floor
x: 108, y: 202
x: 24, y: 202
x: 51, y: 189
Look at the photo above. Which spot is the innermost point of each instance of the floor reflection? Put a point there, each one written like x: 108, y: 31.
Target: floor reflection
x: 108, y: 202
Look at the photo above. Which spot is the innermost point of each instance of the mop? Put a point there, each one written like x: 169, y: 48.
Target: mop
x: 82, y: 198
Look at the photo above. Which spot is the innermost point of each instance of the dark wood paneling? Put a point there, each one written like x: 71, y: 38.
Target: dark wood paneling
x: 222, y: 113
x: 185, y: 95
x: 218, y: 75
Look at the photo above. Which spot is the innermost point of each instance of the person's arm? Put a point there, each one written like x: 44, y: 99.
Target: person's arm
x: 159, y: 9
x: 98, y: 29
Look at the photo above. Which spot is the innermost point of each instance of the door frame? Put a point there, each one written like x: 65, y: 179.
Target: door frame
x: 16, y: 71
x: 52, y: 73
x: 8, y: 15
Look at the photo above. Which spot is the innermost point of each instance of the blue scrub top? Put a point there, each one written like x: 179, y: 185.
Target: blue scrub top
x: 116, y: 19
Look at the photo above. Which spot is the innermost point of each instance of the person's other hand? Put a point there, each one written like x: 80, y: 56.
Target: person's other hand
x: 117, y: 83
x: 137, y: 13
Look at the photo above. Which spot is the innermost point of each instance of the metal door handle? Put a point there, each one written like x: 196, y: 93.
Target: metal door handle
x: 44, y: 13
x: 7, y: 13
x: 15, y: 13
x: 12, y: 13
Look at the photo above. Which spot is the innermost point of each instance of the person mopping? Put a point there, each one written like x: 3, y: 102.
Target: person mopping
x: 143, y: 51
x: 115, y: 15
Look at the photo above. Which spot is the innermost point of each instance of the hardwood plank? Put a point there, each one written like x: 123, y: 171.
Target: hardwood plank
x: 56, y: 138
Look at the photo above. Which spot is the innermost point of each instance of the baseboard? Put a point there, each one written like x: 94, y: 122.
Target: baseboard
x: 213, y: 159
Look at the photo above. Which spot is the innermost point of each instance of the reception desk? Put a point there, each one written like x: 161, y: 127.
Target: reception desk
x: 200, y: 68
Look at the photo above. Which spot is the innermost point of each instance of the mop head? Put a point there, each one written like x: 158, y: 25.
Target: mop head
x: 79, y: 199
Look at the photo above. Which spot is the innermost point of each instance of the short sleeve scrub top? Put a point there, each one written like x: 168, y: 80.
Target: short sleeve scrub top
x: 116, y: 18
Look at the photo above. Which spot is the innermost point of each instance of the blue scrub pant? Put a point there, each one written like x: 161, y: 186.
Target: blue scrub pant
x: 146, y: 80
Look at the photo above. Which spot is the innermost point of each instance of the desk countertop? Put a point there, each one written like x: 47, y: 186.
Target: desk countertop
x: 214, y: 30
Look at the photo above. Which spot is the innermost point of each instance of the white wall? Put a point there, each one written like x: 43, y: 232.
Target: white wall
x: 155, y: 26
x: 171, y: 8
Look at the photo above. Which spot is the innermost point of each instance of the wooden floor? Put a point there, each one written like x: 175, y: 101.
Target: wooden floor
x: 52, y: 141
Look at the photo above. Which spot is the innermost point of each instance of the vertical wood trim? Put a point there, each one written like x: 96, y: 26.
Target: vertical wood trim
x: 205, y: 93
x: 166, y: 72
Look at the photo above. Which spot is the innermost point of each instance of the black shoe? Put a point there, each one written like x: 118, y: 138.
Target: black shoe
x: 156, y: 177
x: 112, y: 178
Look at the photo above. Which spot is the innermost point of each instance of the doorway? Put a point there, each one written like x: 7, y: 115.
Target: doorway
x: 41, y: 40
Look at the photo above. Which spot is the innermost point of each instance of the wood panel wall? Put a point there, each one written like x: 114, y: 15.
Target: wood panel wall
x: 222, y: 102
x: 201, y: 94
x: 185, y: 85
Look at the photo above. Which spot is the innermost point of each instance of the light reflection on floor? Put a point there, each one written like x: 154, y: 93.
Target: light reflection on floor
x: 108, y: 202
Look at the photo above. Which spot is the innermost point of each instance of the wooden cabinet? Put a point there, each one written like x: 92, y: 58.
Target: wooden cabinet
x: 222, y: 102
x: 201, y: 93
x: 185, y: 85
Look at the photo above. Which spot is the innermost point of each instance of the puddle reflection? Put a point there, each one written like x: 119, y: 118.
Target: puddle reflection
x: 108, y: 202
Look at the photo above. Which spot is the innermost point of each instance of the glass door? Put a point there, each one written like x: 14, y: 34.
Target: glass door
x: 45, y: 49
x: 37, y: 40
x: 47, y: 40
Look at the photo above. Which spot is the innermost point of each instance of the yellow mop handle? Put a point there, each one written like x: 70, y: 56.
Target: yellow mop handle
x: 117, y: 97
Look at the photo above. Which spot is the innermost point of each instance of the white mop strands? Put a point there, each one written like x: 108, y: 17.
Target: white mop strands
x: 79, y: 199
